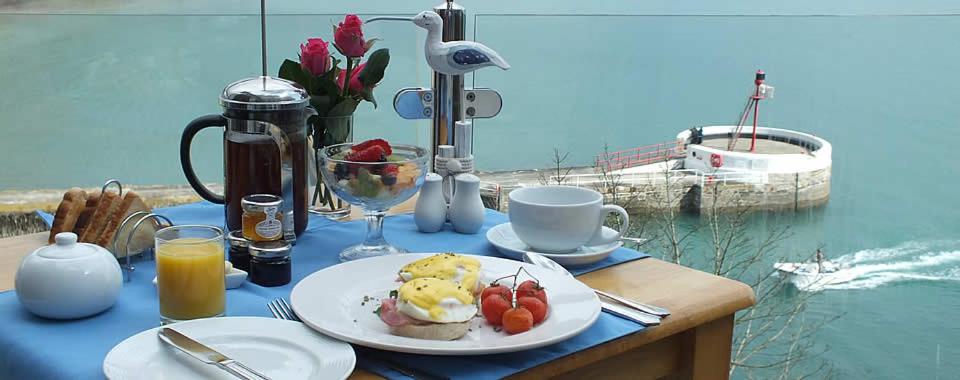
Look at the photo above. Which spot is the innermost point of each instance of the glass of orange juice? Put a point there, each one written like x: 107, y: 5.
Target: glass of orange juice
x: 190, y: 272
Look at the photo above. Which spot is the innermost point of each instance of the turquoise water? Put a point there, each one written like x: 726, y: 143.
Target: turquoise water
x: 89, y: 96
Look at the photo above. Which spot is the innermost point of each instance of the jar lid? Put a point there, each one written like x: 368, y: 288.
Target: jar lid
x: 270, y: 249
x: 264, y: 94
x: 66, y: 247
x: 260, y: 200
x: 236, y: 240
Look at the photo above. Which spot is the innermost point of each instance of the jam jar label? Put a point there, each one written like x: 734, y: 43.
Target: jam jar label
x: 270, y: 227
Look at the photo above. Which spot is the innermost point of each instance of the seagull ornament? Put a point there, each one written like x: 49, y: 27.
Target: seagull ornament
x: 454, y: 57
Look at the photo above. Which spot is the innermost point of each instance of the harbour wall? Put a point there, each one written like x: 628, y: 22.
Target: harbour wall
x: 783, y: 191
x: 689, y: 193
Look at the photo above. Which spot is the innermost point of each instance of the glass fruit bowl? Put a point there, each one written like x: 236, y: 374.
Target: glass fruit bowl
x: 374, y: 186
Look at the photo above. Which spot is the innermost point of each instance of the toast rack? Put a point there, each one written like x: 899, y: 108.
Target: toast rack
x: 124, y: 253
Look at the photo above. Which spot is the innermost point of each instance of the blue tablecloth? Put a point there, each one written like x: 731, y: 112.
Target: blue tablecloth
x: 37, y: 348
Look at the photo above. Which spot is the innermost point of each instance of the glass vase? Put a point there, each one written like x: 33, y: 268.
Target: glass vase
x: 327, y: 131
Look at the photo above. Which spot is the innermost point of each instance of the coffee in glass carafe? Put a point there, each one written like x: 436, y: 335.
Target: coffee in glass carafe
x: 265, y: 146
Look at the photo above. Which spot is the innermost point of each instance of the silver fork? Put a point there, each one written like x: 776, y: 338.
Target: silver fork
x: 545, y: 262
x: 282, y: 310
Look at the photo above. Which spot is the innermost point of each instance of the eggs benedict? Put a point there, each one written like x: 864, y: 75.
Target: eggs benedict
x: 429, y: 308
x: 462, y: 270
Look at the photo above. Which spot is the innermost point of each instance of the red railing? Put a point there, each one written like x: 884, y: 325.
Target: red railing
x: 644, y: 155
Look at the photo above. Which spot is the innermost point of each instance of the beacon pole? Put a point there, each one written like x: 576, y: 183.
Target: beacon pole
x: 756, y: 108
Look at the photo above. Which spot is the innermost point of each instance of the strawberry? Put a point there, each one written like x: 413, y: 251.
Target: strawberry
x: 373, y: 153
x: 391, y: 169
x: 375, y: 142
x: 389, y: 175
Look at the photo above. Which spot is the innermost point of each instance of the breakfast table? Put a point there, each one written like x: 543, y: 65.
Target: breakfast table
x: 694, y: 342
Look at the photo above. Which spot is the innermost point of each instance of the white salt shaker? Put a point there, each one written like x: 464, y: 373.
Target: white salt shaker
x: 466, y: 207
x: 431, y: 210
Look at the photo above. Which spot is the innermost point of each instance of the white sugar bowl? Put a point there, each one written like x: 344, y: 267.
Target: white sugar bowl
x: 68, y: 280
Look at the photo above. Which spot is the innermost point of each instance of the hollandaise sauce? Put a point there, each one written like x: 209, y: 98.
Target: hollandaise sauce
x: 446, y: 266
x: 429, y: 294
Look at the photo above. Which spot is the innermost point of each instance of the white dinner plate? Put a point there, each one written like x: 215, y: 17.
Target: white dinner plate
x: 506, y: 241
x: 332, y: 301
x: 277, y: 348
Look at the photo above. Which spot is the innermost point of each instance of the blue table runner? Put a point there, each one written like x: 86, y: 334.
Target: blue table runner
x: 37, y: 348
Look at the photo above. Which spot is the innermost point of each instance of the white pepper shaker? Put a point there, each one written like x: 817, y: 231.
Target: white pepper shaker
x: 466, y: 208
x: 431, y: 211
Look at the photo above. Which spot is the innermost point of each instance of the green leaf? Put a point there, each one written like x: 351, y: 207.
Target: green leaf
x: 334, y: 70
x: 337, y: 131
x: 291, y: 70
x: 321, y: 103
x: 375, y: 67
x: 346, y: 107
x: 367, y: 94
x: 327, y: 87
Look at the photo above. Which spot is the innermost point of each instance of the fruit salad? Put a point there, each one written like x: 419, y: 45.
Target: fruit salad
x: 371, y: 170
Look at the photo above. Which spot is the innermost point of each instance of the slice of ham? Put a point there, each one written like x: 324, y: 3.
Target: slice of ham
x: 391, y: 316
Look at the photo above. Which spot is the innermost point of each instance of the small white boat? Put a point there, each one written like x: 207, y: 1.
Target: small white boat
x: 810, y: 276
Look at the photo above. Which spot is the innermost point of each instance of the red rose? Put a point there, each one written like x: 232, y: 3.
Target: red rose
x: 314, y: 56
x: 348, y: 36
x: 355, y: 85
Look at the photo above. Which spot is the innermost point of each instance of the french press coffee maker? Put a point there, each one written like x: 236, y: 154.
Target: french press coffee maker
x: 265, y: 148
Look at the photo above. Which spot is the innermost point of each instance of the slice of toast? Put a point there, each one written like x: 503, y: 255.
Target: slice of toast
x: 65, y: 219
x: 91, y: 205
x: 98, y: 221
x: 130, y: 204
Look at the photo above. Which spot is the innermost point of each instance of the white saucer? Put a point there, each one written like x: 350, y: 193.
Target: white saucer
x: 509, y: 245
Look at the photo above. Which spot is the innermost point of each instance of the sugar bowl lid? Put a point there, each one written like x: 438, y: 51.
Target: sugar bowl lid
x: 66, y: 247
x: 264, y: 94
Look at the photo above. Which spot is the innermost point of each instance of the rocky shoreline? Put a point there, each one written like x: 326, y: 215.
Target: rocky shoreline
x: 18, y: 207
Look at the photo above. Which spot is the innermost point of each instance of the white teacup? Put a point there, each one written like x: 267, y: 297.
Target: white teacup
x: 561, y: 219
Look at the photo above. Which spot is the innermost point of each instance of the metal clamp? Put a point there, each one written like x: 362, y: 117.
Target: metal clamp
x: 416, y: 103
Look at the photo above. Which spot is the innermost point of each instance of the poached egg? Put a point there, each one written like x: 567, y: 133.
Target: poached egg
x: 435, y: 300
x: 462, y: 270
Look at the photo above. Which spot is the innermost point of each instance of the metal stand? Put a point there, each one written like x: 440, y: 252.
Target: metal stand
x: 137, y: 218
x: 448, y: 102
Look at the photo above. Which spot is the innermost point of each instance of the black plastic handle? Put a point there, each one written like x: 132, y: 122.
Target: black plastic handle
x: 185, y: 140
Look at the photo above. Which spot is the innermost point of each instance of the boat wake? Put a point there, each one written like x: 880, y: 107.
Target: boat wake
x: 911, y: 261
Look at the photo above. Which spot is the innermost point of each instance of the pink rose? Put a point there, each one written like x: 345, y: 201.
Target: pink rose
x: 314, y: 56
x: 355, y: 85
x: 348, y: 37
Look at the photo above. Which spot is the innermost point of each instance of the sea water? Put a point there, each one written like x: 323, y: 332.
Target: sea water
x: 104, y: 92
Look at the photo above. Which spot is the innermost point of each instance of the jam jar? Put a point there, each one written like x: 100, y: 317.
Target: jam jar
x: 262, y: 219
x: 239, y: 255
x: 270, y: 263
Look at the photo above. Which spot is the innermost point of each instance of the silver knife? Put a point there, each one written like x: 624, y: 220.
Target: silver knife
x: 650, y: 309
x: 642, y: 314
x: 630, y: 314
x: 208, y: 355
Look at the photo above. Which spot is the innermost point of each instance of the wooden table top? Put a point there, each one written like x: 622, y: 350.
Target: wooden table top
x: 693, y: 297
